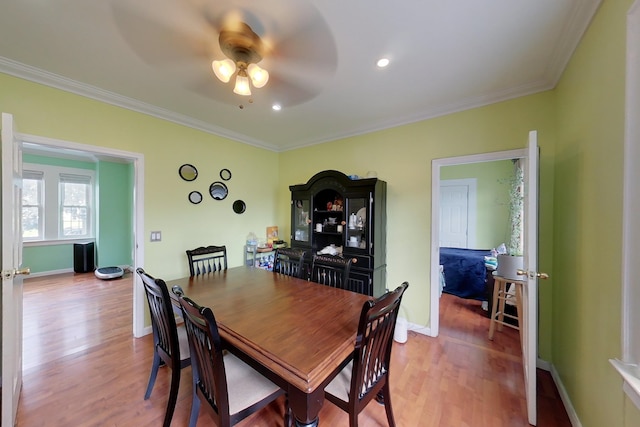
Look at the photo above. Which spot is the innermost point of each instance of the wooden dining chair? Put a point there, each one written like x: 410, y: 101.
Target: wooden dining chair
x: 170, y: 343
x: 230, y: 389
x: 289, y: 261
x: 331, y: 270
x: 207, y: 259
x: 366, y: 376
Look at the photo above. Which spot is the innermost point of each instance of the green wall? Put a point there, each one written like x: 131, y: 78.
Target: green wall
x: 114, y: 236
x: 48, y: 112
x: 48, y: 258
x: 402, y: 157
x: 59, y: 256
x: 492, y: 198
x: 114, y: 227
x: 55, y: 161
x: 580, y: 128
x: 588, y: 222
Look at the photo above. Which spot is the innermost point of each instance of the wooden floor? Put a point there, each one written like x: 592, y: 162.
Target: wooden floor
x: 82, y: 367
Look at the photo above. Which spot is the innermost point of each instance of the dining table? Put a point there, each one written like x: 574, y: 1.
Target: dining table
x: 297, y: 333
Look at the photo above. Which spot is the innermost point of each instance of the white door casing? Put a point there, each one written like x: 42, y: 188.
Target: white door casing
x: 137, y: 159
x: 11, y: 271
x: 12, y: 347
x: 530, y: 332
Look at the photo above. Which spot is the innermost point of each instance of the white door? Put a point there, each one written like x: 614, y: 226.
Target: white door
x: 457, y: 213
x: 530, y: 289
x: 11, y: 271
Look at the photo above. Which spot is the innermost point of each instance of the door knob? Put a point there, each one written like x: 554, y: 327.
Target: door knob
x: 532, y: 275
x: 25, y: 271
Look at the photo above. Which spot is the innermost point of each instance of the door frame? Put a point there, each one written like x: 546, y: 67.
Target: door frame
x: 12, y: 271
x: 137, y: 159
x: 436, y: 165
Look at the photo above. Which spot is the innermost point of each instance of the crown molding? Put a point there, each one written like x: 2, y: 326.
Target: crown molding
x: 46, y: 78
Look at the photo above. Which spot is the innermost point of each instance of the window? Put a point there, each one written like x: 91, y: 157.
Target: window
x: 32, y: 205
x: 75, y: 196
x: 57, y: 203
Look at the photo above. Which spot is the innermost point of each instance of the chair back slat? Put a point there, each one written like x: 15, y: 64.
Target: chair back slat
x: 372, y: 354
x: 289, y: 261
x: 166, y: 339
x: 204, y: 260
x: 163, y: 322
x: 206, y: 356
x: 331, y: 270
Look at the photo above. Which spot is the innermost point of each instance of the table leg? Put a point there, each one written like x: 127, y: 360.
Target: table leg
x: 305, y: 406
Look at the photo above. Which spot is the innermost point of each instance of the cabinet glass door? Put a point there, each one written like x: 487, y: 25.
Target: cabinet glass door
x: 357, y: 227
x: 301, y: 220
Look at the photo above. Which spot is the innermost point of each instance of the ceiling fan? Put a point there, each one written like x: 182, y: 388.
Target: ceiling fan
x: 185, y: 39
x: 243, y: 49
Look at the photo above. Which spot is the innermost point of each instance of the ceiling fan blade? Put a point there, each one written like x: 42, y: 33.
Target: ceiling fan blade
x: 288, y: 93
x: 303, y: 51
x: 158, y: 40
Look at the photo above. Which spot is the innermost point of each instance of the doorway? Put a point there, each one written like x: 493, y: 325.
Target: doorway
x: 45, y: 144
x: 438, y: 166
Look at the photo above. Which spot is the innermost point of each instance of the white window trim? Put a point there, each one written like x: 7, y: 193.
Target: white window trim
x: 38, y: 176
x: 76, y: 178
x: 51, y: 219
x: 628, y: 367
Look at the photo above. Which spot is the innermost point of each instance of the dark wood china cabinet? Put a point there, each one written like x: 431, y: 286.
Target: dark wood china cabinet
x: 350, y: 214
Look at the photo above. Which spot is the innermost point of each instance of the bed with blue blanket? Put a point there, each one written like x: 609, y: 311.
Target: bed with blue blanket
x: 464, y: 272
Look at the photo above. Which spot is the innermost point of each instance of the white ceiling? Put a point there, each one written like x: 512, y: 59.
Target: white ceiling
x: 154, y: 56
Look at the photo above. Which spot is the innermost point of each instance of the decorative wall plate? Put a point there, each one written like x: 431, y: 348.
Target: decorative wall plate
x: 188, y: 172
x: 239, y: 206
x: 218, y: 190
x: 195, y: 197
x: 225, y: 174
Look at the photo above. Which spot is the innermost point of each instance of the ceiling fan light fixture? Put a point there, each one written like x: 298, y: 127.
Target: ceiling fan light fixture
x: 243, y: 49
x: 224, y: 69
x: 259, y: 76
x: 242, y: 84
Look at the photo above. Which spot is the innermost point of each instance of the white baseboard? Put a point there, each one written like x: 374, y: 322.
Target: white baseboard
x: 125, y: 267
x: 568, y: 406
x: 424, y: 330
x: 49, y: 273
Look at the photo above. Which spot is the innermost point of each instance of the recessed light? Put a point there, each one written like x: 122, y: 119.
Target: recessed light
x: 383, y: 62
x: 276, y: 107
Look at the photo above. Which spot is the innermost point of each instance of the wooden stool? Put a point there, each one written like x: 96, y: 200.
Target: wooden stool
x: 500, y: 297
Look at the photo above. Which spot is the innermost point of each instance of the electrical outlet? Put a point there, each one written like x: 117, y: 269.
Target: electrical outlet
x: 156, y: 236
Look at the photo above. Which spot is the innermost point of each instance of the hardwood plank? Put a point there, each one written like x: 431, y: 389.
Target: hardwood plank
x: 84, y: 368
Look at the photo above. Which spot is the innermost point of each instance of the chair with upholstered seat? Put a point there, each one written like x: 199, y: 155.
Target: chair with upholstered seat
x: 367, y: 375
x: 170, y: 344
x: 289, y: 261
x: 331, y: 270
x: 208, y: 259
x: 230, y: 389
